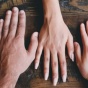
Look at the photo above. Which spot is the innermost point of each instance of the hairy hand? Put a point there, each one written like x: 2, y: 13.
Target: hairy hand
x: 14, y: 58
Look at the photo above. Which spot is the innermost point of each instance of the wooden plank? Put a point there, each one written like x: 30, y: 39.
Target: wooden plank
x: 74, y: 12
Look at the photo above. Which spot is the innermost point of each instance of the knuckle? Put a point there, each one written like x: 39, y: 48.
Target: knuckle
x: 55, y: 64
x: 20, y: 36
x: 13, y: 25
x: 63, y: 63
x: 46, y: 59
x: 5, y: 27
x: 21, y: 25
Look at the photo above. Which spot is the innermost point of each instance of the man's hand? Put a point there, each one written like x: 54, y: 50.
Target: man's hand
x: 14, y: 58
x: 82, y: 60
x: 53, y: 38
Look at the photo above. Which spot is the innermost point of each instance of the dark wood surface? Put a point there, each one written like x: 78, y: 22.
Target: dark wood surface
x: 74, y: 12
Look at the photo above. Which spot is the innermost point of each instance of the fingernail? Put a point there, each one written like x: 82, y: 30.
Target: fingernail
x: 72, y: 57
x: 15, y: 8
x: 55, y: 81
x: 36, y: 34
x: 46, y: 76
x: 36, y: 65
x: 9, y: 12
x: 64, y: 78
x: 21, y: 11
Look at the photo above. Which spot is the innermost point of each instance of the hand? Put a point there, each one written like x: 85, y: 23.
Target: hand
x: 14, y: 58
x: 53, y: 38
x: 82, y: 59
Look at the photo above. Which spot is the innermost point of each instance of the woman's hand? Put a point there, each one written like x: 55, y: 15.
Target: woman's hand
x: 53, y: 38
x: 82, y: 60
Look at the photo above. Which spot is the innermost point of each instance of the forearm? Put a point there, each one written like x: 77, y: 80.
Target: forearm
x: 51, y: 7
x: 8, y: 81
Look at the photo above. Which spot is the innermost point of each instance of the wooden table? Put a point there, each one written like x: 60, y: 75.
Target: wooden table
x: 74, y: 12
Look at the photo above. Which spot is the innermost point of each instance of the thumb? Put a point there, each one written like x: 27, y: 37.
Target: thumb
x: 33, y: 46
x: 77, y: 52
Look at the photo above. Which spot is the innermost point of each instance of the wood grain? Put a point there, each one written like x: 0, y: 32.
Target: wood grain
x: 74, y: 12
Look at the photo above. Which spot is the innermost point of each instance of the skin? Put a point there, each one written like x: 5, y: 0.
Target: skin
x: 82, y: 58
x: 53, y: 38
x: 12, y: 40
x: 14, y: 58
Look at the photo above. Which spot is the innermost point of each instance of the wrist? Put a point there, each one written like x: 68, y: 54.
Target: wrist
x: 51, y: 8
x: 8, y: 81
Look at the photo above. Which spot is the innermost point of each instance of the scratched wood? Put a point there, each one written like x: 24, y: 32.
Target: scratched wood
x: 74, y: 12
